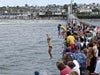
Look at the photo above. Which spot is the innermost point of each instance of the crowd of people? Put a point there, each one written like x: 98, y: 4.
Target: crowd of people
x: 81, y: 54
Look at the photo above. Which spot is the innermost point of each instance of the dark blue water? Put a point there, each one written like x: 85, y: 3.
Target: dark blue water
x: 23, y: 47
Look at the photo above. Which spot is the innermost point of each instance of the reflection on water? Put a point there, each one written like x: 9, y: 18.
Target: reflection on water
x: 23, y: 47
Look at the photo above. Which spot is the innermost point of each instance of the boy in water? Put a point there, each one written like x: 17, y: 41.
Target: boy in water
x: 49, y: 41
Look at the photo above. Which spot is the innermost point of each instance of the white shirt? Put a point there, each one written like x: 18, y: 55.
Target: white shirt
x: 97, y: 69
x: 76, y: 69
x: 76, y: 63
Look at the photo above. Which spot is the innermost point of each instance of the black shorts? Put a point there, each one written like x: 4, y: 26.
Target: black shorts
x: 50, y: 46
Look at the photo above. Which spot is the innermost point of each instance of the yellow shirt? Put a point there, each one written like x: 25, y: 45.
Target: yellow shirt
x: 49, y: 41
x: 95, y: 50
x: 70, y: 40
x: 63, y: 28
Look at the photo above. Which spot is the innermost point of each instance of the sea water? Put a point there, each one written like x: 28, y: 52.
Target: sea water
x: 23, y: 47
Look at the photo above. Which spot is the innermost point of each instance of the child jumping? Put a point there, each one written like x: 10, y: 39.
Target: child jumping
x: 49, y: 41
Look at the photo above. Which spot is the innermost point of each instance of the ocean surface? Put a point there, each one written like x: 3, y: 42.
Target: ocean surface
x: 23, y: 47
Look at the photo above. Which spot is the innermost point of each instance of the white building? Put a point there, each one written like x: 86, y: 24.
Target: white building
x: 41, y: 13
x: 86, y: 10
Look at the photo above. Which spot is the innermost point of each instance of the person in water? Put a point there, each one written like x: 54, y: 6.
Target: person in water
x: 49, y: 41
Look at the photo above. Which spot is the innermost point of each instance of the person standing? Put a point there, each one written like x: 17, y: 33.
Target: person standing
x: 49, y: 41
x: 59, y: 29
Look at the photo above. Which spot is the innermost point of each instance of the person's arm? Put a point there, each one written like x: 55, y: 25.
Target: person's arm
x: 47, y: 36
x: 67, y: 39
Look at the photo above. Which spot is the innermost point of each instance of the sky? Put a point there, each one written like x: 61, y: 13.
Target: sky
x: 43, y: 2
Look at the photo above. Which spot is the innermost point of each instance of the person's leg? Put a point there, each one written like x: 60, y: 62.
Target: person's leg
x: 58, y: 33
x: 63, y: 34
x: 49, y: 51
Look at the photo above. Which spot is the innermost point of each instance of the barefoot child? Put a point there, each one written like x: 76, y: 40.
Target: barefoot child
x: 49, y: 41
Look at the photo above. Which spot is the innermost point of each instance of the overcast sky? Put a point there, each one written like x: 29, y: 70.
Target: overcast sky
x: 43, y: 2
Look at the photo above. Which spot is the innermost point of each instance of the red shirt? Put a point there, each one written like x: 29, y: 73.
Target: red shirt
x: 65, y: 71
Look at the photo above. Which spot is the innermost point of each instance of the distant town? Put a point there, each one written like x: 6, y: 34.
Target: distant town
x: 50, y: 11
